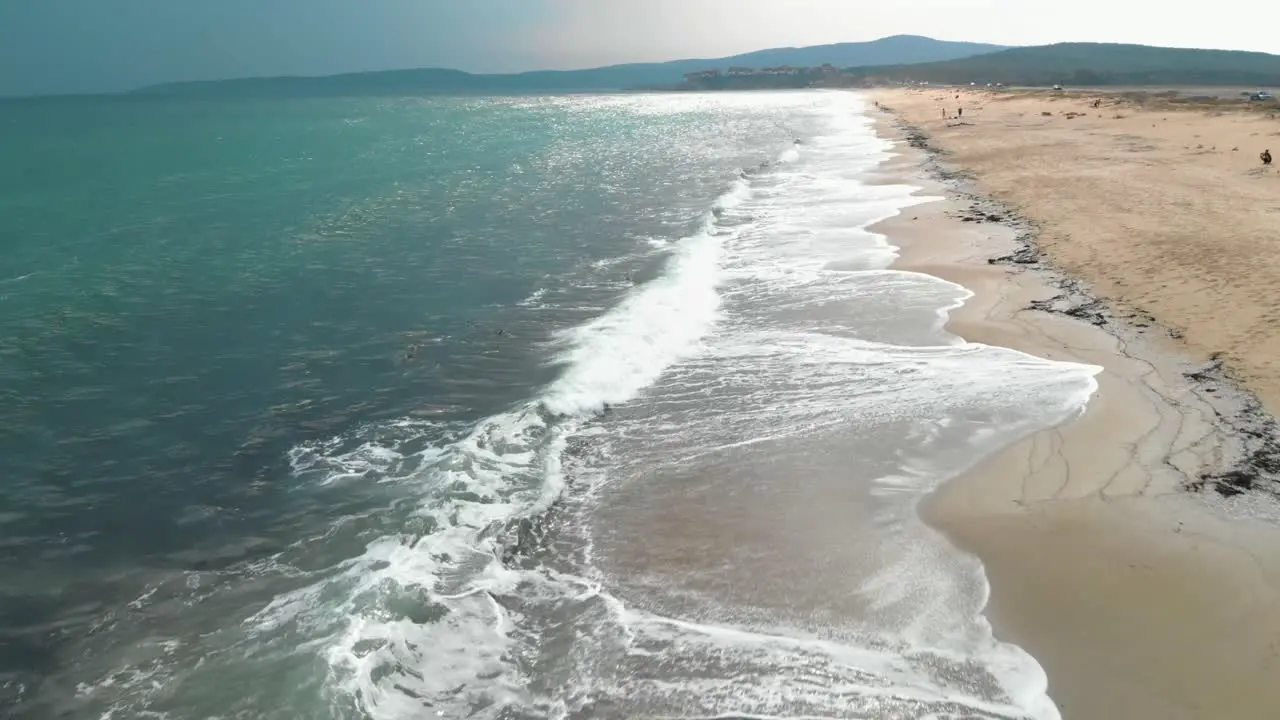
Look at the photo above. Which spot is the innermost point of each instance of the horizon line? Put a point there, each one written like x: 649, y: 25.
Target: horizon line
x: 248, y: 78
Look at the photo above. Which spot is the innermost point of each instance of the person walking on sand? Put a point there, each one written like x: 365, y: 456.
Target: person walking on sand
x: 1266, y: 157
x: 960, y: 114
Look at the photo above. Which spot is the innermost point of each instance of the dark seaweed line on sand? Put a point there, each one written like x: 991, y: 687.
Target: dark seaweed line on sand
x: 1237, y: 411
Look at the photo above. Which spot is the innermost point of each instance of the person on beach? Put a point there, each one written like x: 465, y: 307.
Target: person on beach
x: 1266, y: 157
x: 960, y: 113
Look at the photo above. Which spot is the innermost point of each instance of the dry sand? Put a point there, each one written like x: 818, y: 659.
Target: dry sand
x: 1141, y: 600
x: 1157, y: 207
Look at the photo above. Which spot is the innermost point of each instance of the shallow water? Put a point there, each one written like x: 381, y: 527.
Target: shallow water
x: 510, y: 408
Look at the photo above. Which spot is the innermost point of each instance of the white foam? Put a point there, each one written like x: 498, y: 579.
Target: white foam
x: 609, y: 359
x: 737, y: 194
x: 779, y: 366
x: 534, y: 299
x: 507, y: 468
x: 820, y: 671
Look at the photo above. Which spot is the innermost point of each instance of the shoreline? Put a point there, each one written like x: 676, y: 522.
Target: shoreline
x: 1103, y: 562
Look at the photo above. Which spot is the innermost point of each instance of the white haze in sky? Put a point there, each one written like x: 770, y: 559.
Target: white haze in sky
x: 53, y: 46
x: 579, y: 33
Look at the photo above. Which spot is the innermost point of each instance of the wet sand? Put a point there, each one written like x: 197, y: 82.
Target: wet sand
x: 1142, y: 599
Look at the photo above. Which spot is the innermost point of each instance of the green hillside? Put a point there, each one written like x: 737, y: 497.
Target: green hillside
x: 1091, y: 64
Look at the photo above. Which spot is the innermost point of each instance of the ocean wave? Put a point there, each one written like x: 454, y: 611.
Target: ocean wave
x: 463, y: 597
x: 454, y: 618
x: 830, y: 370
x: 420, y: 620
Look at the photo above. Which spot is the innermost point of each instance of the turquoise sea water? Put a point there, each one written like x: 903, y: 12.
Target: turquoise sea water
x: 310, y: 408
x: 188, y: 290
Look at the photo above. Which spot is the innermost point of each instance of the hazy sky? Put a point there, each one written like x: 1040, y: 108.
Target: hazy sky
x: 55, y: 46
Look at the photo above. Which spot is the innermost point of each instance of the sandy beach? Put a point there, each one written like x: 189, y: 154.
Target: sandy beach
x: 1120, y: 551
x: 1161, y: 208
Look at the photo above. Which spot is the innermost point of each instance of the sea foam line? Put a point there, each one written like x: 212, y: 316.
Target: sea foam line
x: 1018, y: 674
x: 511, y: 464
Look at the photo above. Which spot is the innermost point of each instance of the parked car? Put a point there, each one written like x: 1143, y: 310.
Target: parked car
x: 1260, y: 96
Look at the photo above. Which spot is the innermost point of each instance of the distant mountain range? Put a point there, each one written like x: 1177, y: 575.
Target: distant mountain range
x: 889, y: 51
x: 1089, y: 64
x: 892, y: 59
